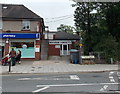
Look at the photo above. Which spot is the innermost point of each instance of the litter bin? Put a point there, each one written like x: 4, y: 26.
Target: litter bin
x: 74, y: 56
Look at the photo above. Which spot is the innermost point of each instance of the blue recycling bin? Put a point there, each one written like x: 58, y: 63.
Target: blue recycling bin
x: 74, y: 56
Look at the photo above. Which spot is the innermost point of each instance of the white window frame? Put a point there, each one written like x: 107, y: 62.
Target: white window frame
x: 25, y: 25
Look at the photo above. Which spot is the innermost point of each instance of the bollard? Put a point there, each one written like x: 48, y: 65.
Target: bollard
x: 10, y: 67
x: 111, y: 59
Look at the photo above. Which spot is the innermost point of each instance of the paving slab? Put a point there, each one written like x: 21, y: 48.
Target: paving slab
x: 56, y: 66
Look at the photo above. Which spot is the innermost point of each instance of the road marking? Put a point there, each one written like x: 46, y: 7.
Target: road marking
x: 118, y: 74
x: 71, y: 77
x: 112, y: 80
x: 104, y: 88
x: 74, y: 77
x: 117, y: 91
x: 38, y: 90
x: 111, y: 77
x: 24, y: 79
x: 89, y: 84
x: 112, y: 72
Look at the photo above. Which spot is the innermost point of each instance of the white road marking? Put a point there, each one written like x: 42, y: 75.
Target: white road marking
x: 117, y: 91
x: 118, y: 77
x: 38, y: 90
x: 74, y: 77
x: 118, y: 73
x: 112, y: 72
x: 89, y: 84
x: 112, y: 80
x: 104, y: 88
x: 111, y: 77
x: 71, y: 77
x: 24, y: 79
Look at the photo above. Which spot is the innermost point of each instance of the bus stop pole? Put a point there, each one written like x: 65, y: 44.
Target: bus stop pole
x: 80, y: 56
x: 80, y: 50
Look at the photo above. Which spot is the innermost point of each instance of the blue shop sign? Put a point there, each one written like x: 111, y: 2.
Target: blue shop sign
x: 19, y: 35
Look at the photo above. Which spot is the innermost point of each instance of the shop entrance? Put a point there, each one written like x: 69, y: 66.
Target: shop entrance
x: 64, y: 49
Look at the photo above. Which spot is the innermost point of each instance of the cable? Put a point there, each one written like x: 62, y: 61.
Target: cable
x: 59, y: 19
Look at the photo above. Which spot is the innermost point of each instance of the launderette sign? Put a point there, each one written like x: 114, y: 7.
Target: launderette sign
x: 19, y: 35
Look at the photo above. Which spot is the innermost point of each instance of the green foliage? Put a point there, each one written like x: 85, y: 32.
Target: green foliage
x: 65, y: 28
x: 100, y: 31
x: 108, y: 45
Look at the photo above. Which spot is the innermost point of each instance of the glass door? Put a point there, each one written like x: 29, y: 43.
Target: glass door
x: 64, y: 49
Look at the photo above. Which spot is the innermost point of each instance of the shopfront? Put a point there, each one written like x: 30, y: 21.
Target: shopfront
x: 59, y: 47
x: 29, y: 44
x: 26, y: 46
x: 62, y: 43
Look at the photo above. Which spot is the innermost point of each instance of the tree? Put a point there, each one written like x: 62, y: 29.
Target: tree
x: 86, y: 21
x: 112, y: 15
x: 111, y: 21
x: 101, y: 30
x: 65, y: 28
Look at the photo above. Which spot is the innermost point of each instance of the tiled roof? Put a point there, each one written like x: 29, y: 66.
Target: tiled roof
x: 14, y: 11
x: 66, y: 36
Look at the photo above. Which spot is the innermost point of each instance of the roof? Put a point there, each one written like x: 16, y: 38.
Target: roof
x: 66, y: 36
x: 13, y: 11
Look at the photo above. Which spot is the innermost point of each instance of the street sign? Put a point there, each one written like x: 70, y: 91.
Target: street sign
x: 80, y: 45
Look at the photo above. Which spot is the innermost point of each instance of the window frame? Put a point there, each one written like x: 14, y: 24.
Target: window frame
x: 25, y: 23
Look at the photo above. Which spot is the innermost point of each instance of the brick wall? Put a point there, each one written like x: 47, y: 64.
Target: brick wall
x: 52, y: 51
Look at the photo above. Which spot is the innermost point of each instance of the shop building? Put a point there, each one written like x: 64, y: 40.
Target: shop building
x: 20, y: 28
x: 62, y: 43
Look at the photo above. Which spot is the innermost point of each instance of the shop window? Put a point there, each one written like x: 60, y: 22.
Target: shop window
x: 27, y: 48
x: 25, y: 25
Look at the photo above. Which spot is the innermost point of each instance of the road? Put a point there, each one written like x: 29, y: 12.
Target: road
x: 102, y: 82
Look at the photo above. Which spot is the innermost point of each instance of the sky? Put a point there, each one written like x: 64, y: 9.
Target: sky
x: 54, y: 12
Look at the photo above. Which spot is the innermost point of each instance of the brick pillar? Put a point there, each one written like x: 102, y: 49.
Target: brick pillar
x: 37, y: 50
x: 6, y: 47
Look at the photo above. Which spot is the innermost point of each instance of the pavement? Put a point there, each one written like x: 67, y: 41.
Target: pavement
x: 55, y: 66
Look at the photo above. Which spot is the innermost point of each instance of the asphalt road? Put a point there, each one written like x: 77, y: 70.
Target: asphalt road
x: 83, y: 83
